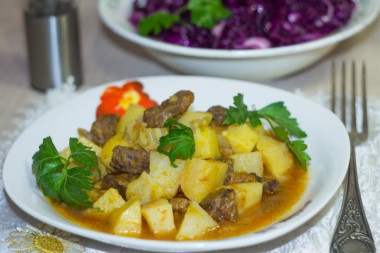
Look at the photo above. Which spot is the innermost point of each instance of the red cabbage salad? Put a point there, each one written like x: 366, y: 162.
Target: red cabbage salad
x: 239, y: 24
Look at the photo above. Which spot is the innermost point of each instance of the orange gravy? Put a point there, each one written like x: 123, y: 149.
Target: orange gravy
x: 271, y: 209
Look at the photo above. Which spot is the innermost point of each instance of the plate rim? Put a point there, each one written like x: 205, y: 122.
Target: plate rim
x: 157, y: 245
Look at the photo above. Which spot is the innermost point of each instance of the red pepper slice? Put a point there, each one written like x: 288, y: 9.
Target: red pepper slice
x: 116, y: 100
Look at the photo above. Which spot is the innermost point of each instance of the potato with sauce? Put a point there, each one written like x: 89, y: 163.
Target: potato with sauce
x: 184, y: 175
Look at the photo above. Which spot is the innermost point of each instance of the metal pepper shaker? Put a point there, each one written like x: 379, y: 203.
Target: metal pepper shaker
x: 52, y: 36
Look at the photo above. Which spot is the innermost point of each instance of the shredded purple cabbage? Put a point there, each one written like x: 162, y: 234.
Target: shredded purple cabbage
x: 255, y: 24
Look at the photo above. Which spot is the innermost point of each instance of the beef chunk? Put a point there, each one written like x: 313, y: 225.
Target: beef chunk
x: 234, y: 178
x: 221, y: 205
x: 130, y: 160
x: 180, y: 204
x: 270, y: 186
x: 173, y: 107
x: 119, y: 181
x: 104, y: 128
x: 219, y: 113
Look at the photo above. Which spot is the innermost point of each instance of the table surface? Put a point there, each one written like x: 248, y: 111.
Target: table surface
x: 107, y: 57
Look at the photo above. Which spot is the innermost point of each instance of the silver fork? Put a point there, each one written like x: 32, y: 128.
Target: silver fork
x: 352, y: 232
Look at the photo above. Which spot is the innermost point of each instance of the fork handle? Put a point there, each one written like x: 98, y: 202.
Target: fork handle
x: 352, y: 233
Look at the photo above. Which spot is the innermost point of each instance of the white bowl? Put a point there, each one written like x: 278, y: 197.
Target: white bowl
x: 252, y: 64
x: 328, y: 147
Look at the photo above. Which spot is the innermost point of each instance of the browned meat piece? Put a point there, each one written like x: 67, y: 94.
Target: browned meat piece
x: 234, y: 178
x: 221, y: 205
x: 218, y: 114
x: 119, y: 181
x: 104, y: 128
x: 130, y: 160
x: 173, y: 107
x: 86, y: 134
x: 270, y: 186
x: 180, y: 204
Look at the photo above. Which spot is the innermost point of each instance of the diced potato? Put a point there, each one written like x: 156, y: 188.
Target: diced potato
x: 90, y: 144
x: 129, y: 119
x: 104, y: 171
x: 196, y: 222
x: 195, y: 119
x: 107, y: 151
x: 145, y: 188
x: 149, y: 138
x: 200, y: 177
x: 242, y: 138
x: 164, y: 174
x: 248, y: 163
x: 108, y: 202
x: 126, y: 220
x: 247, y: 195
x: 159, y: 216
x: 206, y: 143
x: 276, y: 156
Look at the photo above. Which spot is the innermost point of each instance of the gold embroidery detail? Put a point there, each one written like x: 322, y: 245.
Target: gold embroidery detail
x: 43, y: 240
x: 48, y: 243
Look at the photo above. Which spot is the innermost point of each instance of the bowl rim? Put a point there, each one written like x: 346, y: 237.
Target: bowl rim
x: 150, y: 43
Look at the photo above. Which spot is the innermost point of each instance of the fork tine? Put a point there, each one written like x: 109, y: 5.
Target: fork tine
x: 353, y: 97
x: 333, y: 85
x: 343, y: 96
x: 364, y: 101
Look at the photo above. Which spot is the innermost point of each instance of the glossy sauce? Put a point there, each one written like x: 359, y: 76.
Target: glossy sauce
x: 271, y: 209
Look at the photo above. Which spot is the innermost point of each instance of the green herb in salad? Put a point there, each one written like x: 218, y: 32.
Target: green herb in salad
x: 203, y: 13
x: 180, y: 141
x: 156, y: 22
x: 58, y: 181
x: 278, y: 117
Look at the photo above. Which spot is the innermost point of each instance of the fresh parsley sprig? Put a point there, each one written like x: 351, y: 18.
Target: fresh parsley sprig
x: 156, y: 22
x: 58, y: 181
x: 278, y: 117
x: 203, y: 13
x: 207, y: 13
x: 178, y: 143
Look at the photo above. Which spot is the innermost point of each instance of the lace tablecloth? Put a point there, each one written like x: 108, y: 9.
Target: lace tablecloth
x: 20, y: 232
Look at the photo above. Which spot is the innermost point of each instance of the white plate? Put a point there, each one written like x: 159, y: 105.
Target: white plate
x: 327, y: 140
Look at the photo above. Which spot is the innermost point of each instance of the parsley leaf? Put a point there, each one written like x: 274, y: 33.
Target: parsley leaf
x: 280, y: 114
x: 58, y: 181
x: 180, y: 141
x: 203, y: 13
x: 298, y: 148
x: 238, y: 113
x: 278, y: 118
x: 46, y: 160
x: 207, y: 13
x: 77, y: 180
x: 82, y: 154
x: 156, y: 22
